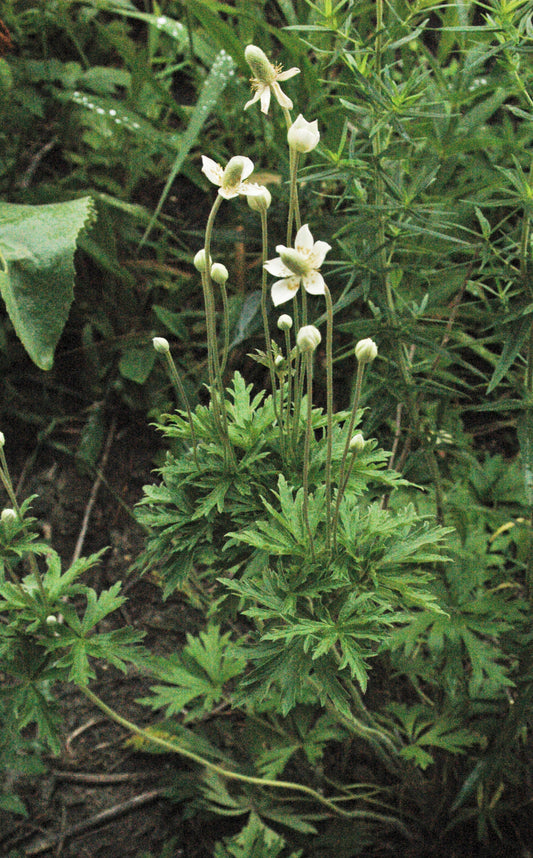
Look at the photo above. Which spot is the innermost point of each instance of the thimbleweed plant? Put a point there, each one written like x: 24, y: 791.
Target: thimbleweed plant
x: 270, y: 515
x: 269, y: 509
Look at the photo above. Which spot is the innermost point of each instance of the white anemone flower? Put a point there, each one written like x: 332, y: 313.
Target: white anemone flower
x: 266, y: 79
x: 298, y: 265
x: 303, y: 136
x: 231, y: 179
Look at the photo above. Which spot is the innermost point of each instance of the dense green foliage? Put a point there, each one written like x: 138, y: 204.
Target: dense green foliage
x: 363, y: 677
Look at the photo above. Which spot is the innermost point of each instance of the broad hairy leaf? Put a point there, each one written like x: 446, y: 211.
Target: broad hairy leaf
x: 37, y: 244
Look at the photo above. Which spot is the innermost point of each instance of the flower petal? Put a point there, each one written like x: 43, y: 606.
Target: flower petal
x: 212, y: 170
x: 284, y: 290
x: 314, y: 283
x: 282, y: 99
x: 265, y: 98
x: 249, y: 189
x: 256, y: 97
x: 318, y: 253
x: 228, y: 193
x: 277, y: 268
x: 304, y: 239
x: 289, y: 73
x: 247, y: 168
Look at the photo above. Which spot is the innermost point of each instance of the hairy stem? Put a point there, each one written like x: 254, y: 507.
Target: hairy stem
x: 173, y: 746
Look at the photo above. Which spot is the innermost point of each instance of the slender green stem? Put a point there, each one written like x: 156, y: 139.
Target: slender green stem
x: 178, y: 386
x: 225, y: 311
x: 294, y: 210
x: 329, y: 409
x: 298, y: 385
x: 278, y: 412
x: 212, y: 342
x: 294, y: 205
x: 307, y: 449
x: 298, y: 395
x: 173, y: 746
x: 289, y: 383
x: 342, y: 482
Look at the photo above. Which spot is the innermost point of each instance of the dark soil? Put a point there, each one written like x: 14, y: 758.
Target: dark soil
x: 101, y: 798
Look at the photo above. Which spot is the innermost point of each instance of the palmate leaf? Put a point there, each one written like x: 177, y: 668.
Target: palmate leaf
x: 199, y: 673
x: 423, y: 731
x: 37, y: 245
x: 285, y: 532
x: 255, y: 840
x: 32, y: 703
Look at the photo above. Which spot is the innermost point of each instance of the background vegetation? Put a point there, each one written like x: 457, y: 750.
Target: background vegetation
x: 422, y: 184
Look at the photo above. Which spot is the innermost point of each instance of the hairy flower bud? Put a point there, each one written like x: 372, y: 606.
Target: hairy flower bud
x: 279, y: 360
x: 260, y: 202
x: 303, y: 136
x: 161, y: 345
x: 357, y: 443
x: 260, y: 65
x: 51, y: 620
x: 200, y: 261
x: 8, y: 515
x: 219, y: 273
x: 308, y: 338
x: 284, y: 322
x: 366, y: 351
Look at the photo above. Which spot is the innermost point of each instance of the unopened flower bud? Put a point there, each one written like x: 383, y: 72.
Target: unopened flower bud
x: 303, y: 136
x: 284, y: 322
x: 259, y: 63
x: 51, y: 620
x: 219, y: 273
x: 357, y: 443
x: 260, y: 202
x: 8, y: 516
x: 308, y: 338
x: 366, y: 351
x: 279, y: 360
x: 200, y: 261
x: 161, y: 345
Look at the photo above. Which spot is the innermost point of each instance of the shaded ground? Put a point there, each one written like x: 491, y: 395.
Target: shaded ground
x: 101, y: 798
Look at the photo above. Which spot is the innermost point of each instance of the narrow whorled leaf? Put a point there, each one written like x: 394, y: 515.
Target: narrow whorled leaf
x: 515, y: 338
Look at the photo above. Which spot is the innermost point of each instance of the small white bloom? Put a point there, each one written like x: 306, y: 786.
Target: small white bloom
x: 303, y: 136
x: 266, y: 79
x: 260, y: 202
x: 357, y: 443
x: 284, y: 322
x: 308, y: 338
x: 219, y: 273
x: 200, y: 261
x: 366, y: 351
x: 231, y: 179
x: 298, y: 265
x: 161, y: 345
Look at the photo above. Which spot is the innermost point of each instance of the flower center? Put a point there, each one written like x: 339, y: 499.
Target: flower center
x: 232, y: 175
x: 295, y: 261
